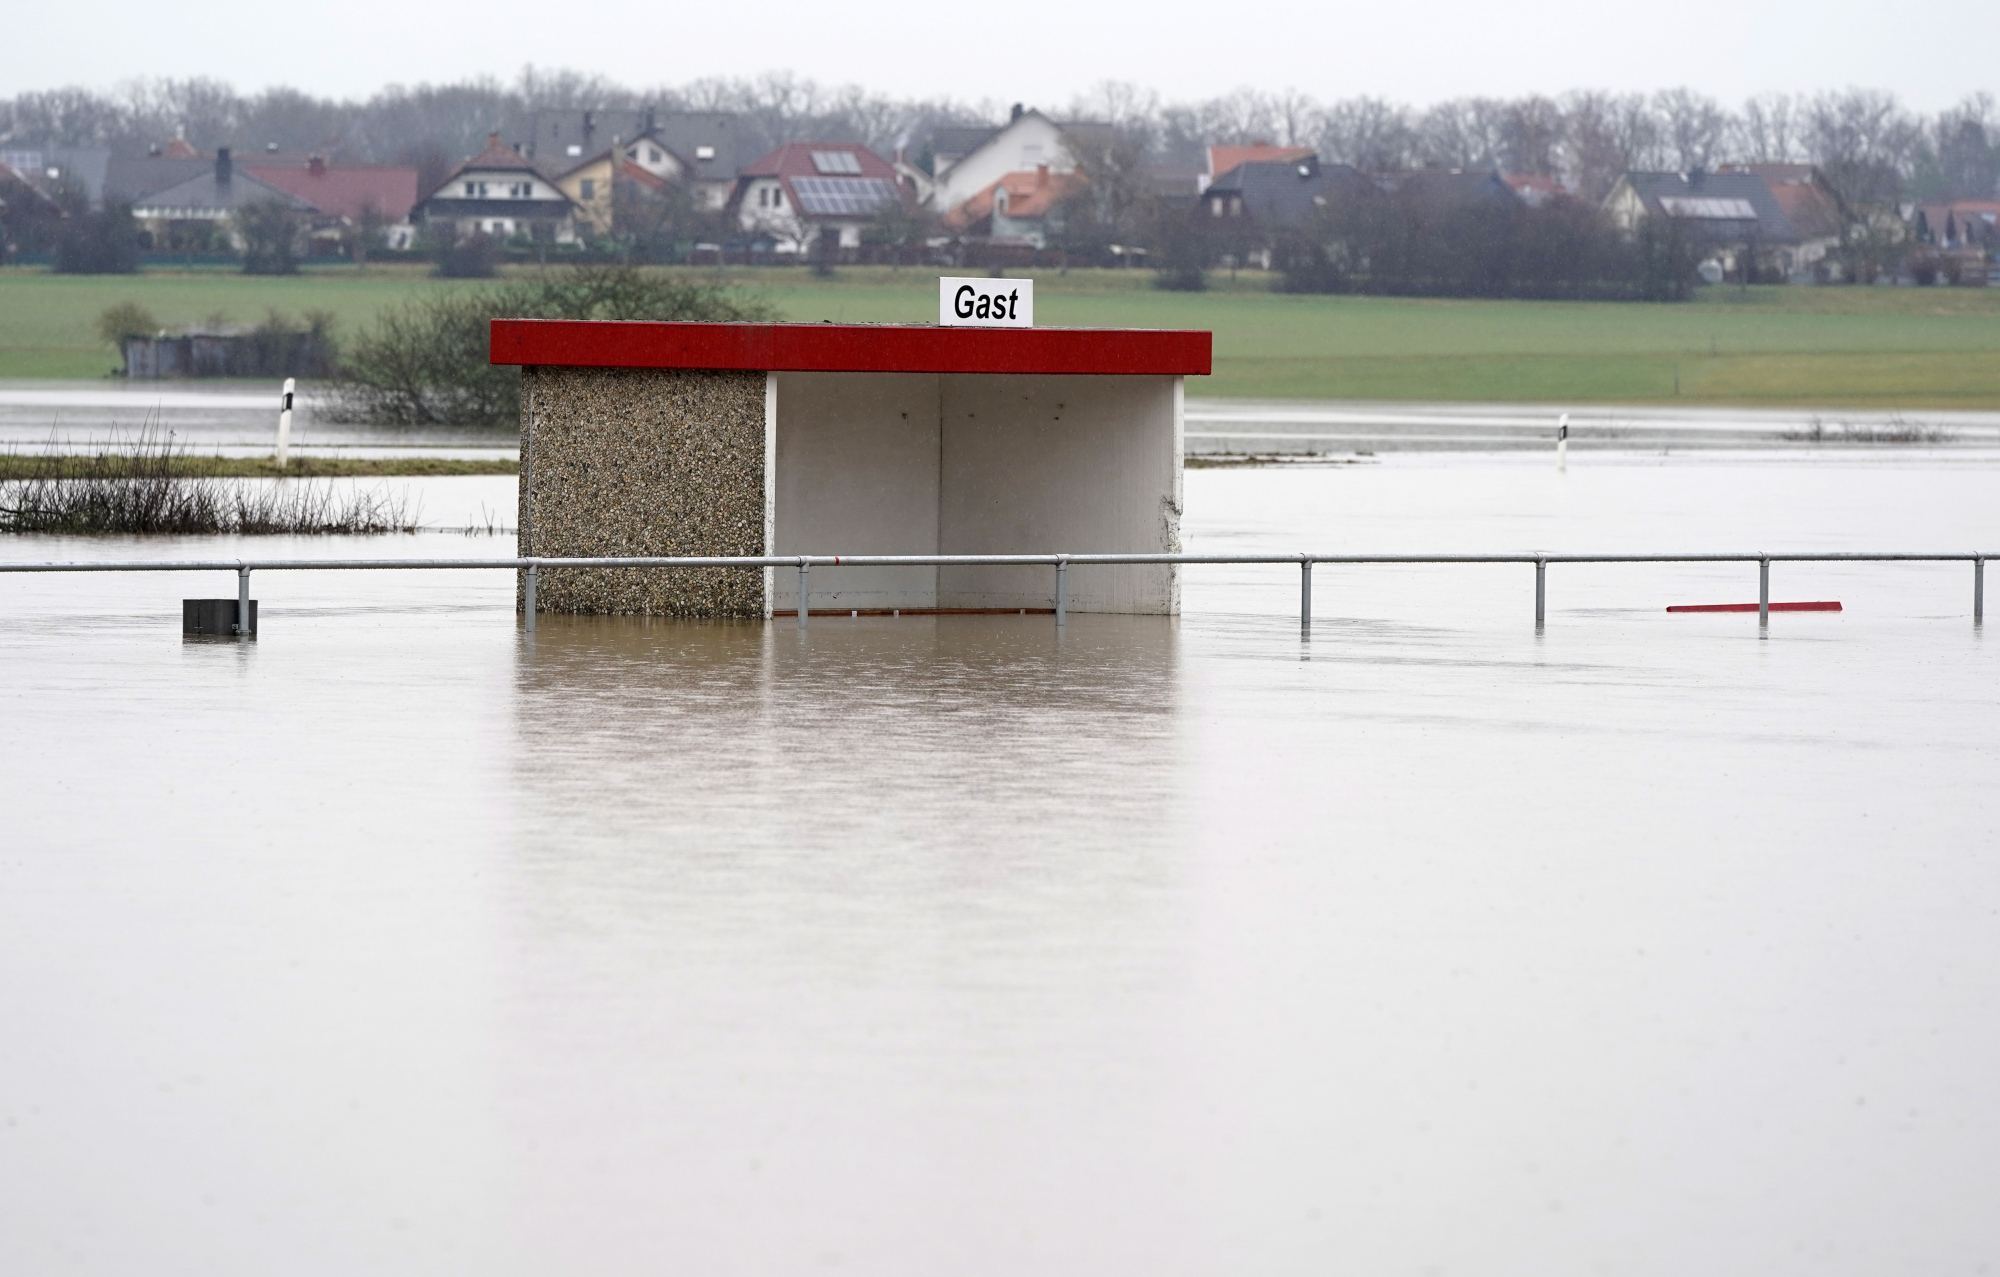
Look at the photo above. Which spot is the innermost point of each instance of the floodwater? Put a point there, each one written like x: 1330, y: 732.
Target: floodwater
x: 238, y: 418
x: 399, y: 941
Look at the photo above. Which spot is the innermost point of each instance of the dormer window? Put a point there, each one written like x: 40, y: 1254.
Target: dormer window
x: 704, y: 152
x: 522, y: 190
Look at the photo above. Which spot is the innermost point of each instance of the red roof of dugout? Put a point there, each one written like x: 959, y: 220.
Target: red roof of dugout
x: 850, y: 347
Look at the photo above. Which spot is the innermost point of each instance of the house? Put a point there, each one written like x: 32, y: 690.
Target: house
x: 211, y: 199
x: 1277, y: 193
x: 1021, y: 209
x: 1220, y: 160
x: 499, y: 192
x: 1535, y: 189
x: 643, y: 164
x: 1959, y: 224
x: 702, y: 151
x: 815, y: 193
x: 1734, y: 216
x: 1815, y: 212
x: 346, y: 196
x: 1027, y: 142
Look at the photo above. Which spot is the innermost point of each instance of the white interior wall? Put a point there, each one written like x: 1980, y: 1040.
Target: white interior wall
x: 895, y: 463
x: 1041, y: 464
x: 857, y: 473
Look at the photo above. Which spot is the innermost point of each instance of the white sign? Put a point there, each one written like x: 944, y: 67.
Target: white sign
x: 986, y: 303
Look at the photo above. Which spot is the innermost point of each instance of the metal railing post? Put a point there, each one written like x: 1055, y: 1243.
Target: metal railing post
x: 1062, y: 589
x: 1978, y: 591
x: 1763, y: 594
x: 1541, y: 591
x: 528, y: 597
x: 1305, y: 593
x: 805, y: 590
x: 242, y: 600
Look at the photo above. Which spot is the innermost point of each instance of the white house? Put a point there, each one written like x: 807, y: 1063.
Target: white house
x: 499, y: 192
x: 1026, y: 143
x: 804, y: 191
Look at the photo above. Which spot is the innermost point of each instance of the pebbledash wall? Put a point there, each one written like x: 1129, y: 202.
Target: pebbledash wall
x: 753, y: 439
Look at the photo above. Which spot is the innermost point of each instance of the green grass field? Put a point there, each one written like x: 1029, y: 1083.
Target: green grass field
x: 1831, y: 347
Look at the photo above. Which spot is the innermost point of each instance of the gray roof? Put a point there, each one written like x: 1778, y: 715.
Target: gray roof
x: 130, y: 178
x: 956, y: 141
x: 590, y: 130
x: 1442, y: 190
x: 206, y: 192
x: 1704, y: 202
x: 1284, y: 192
x: 686, y: 132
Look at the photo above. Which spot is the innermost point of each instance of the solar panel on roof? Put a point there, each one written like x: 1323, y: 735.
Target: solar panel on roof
x: 836, y: 161
x: 1709, y: 208
x: 828, y: 196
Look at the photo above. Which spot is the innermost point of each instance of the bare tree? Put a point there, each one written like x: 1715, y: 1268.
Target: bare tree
x: 1695, y: 127
x: 1864, y: 142
x: 1466, y: 133
x: 1368, y: 133
x: 1605, y: 135
x: 1531, y: 133
x: 1767, y: 130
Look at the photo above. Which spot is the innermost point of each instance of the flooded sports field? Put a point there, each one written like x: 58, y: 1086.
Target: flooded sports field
x: 401, y: 941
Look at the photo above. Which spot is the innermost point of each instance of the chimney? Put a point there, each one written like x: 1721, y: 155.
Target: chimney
x: 316, y: 166
x: 224, y: 169
x: 1041, y: 176
x: 1017, y: 113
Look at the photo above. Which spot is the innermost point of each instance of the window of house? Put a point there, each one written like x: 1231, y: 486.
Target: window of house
x: 471, y: 189
x: 704, y: 152
x: 590, y: 188
x: 521, y: 190
x: 574, y: 149
x: 652, y: 155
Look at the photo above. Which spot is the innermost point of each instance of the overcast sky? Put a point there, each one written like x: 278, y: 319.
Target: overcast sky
x: 1039, y: 51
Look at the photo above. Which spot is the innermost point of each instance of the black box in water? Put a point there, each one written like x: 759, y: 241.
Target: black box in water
x: 214, y: 616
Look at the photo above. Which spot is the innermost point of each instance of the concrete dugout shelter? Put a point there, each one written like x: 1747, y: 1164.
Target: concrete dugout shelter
x: 698, y: 439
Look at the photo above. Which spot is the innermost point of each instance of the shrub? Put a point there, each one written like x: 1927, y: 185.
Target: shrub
x: 270, y: 231
x: 126, y: 319
x: 426, y: 363
x: 475, y: 256
x: 105, y: 242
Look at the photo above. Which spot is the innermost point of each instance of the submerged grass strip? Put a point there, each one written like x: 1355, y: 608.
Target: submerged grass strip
x: 142, y: 488
x: 15, y: 466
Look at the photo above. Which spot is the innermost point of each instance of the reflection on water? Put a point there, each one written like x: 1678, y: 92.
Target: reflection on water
x: 401, y: 941
x: 887, y: 731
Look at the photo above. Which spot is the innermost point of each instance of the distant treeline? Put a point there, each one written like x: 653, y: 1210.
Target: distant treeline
x: 1872, y: 147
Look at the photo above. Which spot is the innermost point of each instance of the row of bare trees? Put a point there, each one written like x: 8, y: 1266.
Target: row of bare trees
x: 1868, y: 141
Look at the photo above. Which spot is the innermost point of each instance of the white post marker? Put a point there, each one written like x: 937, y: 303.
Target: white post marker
x: 1562, y: 443
x: 285, y: 422
x: 986, y: 303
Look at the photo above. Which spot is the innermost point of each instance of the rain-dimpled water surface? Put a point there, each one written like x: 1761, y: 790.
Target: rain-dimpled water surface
x: 401, y: 942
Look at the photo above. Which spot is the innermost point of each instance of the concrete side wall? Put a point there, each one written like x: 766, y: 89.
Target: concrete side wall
x: 635, y: 462
x: 857, y: 473
x: 1044, y: 464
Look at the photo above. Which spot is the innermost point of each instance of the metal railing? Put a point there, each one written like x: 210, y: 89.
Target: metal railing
x: 531, y: 568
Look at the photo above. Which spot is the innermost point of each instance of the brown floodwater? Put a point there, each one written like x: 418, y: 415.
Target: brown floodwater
x: 401, y: 941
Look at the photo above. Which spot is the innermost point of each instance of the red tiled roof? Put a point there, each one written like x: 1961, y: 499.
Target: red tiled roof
x: 795, y: 159
x: 1030, y: 194
x: 1812, y: 212
x: 345, y: 192
x: 1221, y: 159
